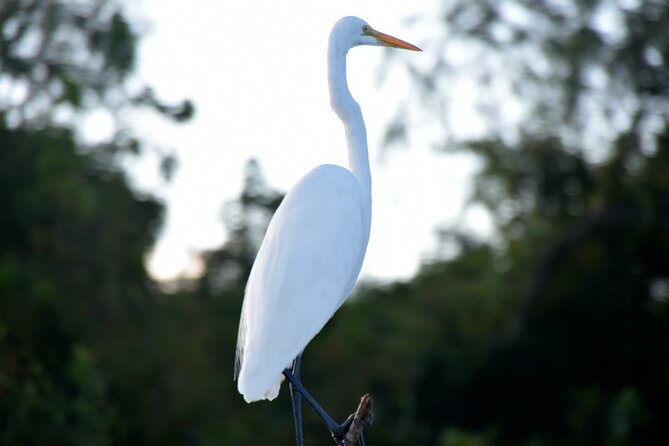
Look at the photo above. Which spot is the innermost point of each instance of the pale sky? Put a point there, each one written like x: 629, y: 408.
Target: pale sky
x: 256, y: 73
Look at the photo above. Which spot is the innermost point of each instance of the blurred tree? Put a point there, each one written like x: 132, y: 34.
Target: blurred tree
x: 246, y: 220
x: 585, y: 72
x: 59, y: 54
x: 59, y: 58
x: 77, y: 343
x: 71, y: 275
x: 574, y: 174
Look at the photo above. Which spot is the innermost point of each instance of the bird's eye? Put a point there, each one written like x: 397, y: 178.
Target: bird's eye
x: 365, y: 29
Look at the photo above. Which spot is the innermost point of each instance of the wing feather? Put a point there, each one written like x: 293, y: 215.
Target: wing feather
x: 305, y: 269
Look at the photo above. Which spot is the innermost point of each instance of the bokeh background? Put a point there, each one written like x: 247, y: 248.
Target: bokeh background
x: 540, y: 317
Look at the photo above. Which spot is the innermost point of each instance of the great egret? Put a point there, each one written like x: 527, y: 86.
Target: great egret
x: 313, y: 250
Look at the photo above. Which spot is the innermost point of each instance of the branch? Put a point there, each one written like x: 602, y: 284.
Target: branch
x: 362, y: 418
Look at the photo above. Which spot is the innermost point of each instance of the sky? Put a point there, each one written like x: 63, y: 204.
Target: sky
x: 257, y: 75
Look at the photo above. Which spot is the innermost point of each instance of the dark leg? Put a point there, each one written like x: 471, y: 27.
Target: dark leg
x: 337, y: 430
x: 297, y: 401
x: 297, y: 385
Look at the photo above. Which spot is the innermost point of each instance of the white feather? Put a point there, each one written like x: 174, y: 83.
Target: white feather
x: 297, y: 285
x: 312, y: 253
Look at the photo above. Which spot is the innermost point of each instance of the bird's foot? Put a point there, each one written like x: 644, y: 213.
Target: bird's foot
x: 347, y: 433
x: 339, y: 434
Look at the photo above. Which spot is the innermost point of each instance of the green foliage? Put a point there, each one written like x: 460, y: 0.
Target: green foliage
x: 62, y: 52
x: 65, y: 56
x: 72, y: 275
x: 247, y: 219
x: 456, y: 437
x: 582, y: 230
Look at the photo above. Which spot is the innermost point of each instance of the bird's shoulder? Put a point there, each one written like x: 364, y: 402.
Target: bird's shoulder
x: 326, y: 188
x: 330, y: 177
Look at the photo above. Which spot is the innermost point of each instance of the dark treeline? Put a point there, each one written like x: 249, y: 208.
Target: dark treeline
x: 553, y: 332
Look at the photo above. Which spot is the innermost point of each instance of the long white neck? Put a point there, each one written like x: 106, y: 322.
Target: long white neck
x: 350, y: 114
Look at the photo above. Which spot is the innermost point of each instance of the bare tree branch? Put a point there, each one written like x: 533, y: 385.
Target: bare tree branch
x: 362, y: 418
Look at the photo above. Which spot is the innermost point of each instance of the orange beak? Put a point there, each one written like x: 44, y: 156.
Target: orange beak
x: 394, y: 42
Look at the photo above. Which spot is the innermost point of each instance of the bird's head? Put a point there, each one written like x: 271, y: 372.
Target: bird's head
x: 352, y: 31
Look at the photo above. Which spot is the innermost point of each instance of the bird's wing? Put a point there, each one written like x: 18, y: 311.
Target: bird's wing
x: 305, y: 269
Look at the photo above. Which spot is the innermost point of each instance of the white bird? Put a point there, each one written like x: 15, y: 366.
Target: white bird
x: 315, y: 244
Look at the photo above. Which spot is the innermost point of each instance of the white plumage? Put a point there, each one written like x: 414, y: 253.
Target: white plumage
x: 304, y: 271
x: 314, y: 247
